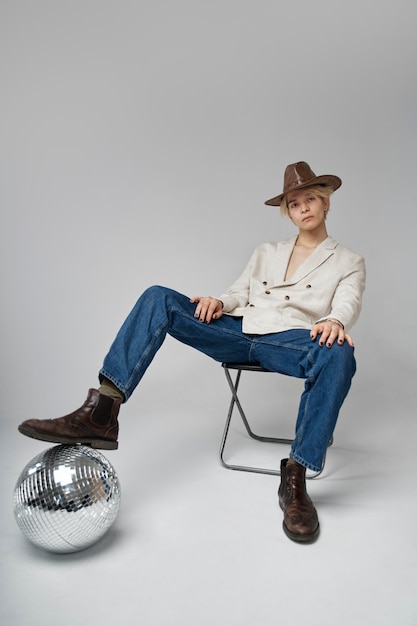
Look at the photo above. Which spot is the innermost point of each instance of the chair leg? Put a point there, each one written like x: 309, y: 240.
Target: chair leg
x: 235, y: 402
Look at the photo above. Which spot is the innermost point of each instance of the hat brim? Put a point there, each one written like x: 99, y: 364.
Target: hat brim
x: 327, y: 180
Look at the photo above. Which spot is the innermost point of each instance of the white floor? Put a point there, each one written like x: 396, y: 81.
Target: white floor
x: 197, y: 544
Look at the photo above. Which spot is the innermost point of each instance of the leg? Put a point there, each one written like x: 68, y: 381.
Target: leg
x: 328, y: 373
x: 157, y: 312
x: 329, y: 378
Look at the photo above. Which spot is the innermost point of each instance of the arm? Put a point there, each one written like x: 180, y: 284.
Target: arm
x: 209, y: 308
x: 346, y: 306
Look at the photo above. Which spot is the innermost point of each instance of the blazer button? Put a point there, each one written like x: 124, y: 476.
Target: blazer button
x: 251, y: 305
x: 287, y: 297
x: 308, y: 286
x: 267, y: 292
x: 265, y: 282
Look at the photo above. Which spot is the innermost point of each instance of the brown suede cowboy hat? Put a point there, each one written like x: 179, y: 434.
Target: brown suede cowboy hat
x: 300, y: 175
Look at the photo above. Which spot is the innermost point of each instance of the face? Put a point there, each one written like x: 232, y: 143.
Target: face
x: 306, y: 209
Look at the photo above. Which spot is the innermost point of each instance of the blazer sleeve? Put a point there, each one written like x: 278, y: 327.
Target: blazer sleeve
x: 347, y: 300
x: 237, y: 296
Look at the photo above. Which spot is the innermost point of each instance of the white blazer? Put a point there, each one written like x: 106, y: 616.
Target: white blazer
x: 329, y: 283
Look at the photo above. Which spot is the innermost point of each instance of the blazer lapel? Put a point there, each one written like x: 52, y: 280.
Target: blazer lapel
x: 282, y: 258
x: 283, y: 255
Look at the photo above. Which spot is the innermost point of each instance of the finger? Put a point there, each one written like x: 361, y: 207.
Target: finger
x: 209, y: 314
x: 334, y: 334
x: 342, y: 336
x: 329, y: 332
x: 316, y: 331
x: 198, y: 308
x: 212, y: 310
x: 349, y: 339
x: 197, y: 299
x: 218, y: 311
x: 202, y: 308
x: 324, y: 335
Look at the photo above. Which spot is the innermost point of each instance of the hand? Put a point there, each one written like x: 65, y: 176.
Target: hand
x: 207, y: 308
x: 330, y: 332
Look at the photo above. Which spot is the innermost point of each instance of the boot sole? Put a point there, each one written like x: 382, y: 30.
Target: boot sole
x: 99, y: 444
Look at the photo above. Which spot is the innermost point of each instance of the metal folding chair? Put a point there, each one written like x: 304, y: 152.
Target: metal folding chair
x: 235, y: 402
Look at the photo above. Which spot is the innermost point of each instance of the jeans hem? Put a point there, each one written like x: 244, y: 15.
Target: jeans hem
x: 306, y: 464
x: 103, y: 374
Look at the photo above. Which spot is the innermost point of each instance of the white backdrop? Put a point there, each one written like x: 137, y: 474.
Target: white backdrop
x: 139, y: 141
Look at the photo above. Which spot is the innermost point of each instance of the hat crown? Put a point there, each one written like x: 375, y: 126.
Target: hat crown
x: 297, y: 174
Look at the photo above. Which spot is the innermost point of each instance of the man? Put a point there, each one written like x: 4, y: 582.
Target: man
x: 289, y: 312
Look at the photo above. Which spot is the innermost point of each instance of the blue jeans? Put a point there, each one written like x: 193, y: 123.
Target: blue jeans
x: 328, y: 371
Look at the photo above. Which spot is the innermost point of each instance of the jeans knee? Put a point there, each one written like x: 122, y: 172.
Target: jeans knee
x: 154, y: 291
x: 344, y: 357
x: 156, y: 294
x: 340, y: 358
x: 163, y: 298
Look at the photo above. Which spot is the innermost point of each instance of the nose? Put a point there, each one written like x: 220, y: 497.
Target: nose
x: 304, y: 207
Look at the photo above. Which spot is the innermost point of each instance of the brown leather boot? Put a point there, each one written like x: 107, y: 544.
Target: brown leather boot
x: 94, y: 424
x: 300, y: 523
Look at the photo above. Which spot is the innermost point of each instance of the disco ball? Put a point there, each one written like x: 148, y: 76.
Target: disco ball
x: 66, y: 498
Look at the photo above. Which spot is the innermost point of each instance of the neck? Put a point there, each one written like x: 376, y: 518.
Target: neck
x: 311, y: 239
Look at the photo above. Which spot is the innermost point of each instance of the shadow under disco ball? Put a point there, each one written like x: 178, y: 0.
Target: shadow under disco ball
x: 66, y: 498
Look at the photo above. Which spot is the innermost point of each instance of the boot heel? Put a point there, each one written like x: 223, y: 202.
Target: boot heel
x: 100, y: 444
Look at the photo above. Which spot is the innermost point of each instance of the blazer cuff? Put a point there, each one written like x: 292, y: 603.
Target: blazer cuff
x: 330, y: 318
x: 229, y: 302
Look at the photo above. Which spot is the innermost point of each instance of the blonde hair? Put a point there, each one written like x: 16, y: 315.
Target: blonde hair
x: 322, y: 191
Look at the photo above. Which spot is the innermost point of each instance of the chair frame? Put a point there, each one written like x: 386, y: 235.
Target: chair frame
x: 235, y: 402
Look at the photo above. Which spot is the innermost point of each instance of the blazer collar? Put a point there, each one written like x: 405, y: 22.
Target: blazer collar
x: 283, y: 255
